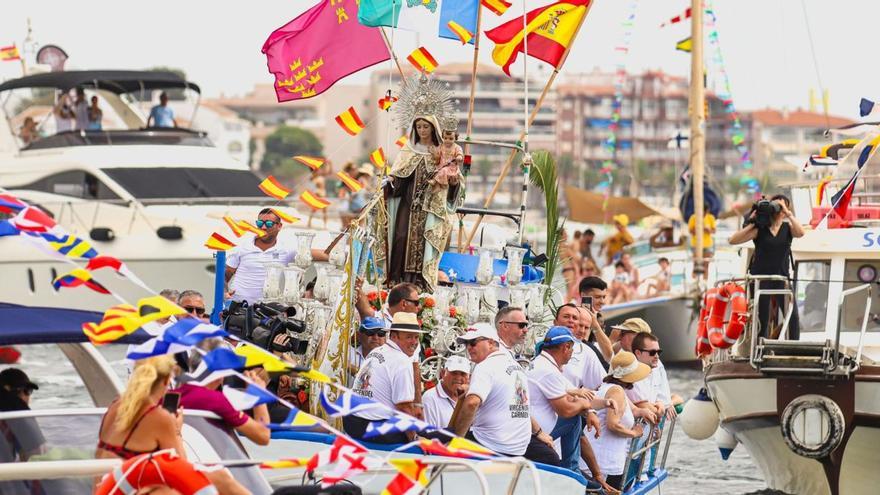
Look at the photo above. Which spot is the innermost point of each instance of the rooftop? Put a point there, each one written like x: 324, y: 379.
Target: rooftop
x: 797, y: 118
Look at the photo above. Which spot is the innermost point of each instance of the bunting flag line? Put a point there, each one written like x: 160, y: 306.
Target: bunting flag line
x: 340, y: 446
x: 377, y: 157
x: 820, y: 189
x: 348, y: 465
x: 819, y: 161
x: 32, y: 219
x: 249, y: 227
x: 463, y: 34
x: 313, y: 201
x: 411, y: 479
x: 256, y: 356
x: 219, y: 363
x: 179, y: 336
x: 117, y: 322
x: 866, y: 107
x: 286, y: 217
x: 312, y: 162
x: 684, y: 45
x: 857, y: 129
x: 218, y: 243
x: 11, y: 204
x: 233, y: 226
x: 401, y: 142
x: 271, y: 187
x: 77, y: 277
x: 397, y: 424
x: 350, y: 122
x: 868, y: 151
x: 249, y: 398
x: 347, y: 403
x: 499, y: 7
x: 70, y: 246
x: 324, y: 44
x: 293, y: 462
x: 350, y: 182
x: 9, y: 53
x: 551, y: 29
x: 833, y: 150
x: 464, y: 449
x: 297, y: 419
x: 314, y: 375
x: 678, y: 18
x: 103, y: 261
x: 840, y: 200
x: 421, y: 59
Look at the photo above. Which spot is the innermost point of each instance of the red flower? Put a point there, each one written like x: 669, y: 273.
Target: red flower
x: 302, y: 397
x: 452, y: 311
x: 420, y: 322
x: 372, y: 296
x: 429, y: 302
x: 430, y: 385
x: 384, y: 295
x: 429, y: 352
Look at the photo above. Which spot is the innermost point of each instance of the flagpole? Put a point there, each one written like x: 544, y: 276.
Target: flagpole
x: 698, y: 136
x: 531, y: 119
x: 470, y: 120
x: 393, y: 55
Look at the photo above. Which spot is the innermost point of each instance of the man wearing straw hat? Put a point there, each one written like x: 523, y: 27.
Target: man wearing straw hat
x: 386, y: 376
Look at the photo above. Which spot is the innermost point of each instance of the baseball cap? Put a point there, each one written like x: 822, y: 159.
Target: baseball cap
x: 479, y: 330
x: 372, y: 323
x: 14, y: 378
x: 636, y: 325
x: 621, y: 218
x: 556, y: 335
x: 457, y: 363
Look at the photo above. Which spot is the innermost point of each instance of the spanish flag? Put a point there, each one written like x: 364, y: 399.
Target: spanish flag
x: 285, y: 216
x: 463, y: 34
x: 271, y: 187
x: 551, y: 29
x: 313, y: 201
x: 401, y: 141
x: 349, y: 181
x: 350, y: 122
x: 378, y: 156
x: 218, y: 243
x: 9, y: 53
x: 497, y: 6
x: 236, y: 230
x: 249, y: 227
x: 422, y: 59
x: 386, y: 101
x: 312, y: 162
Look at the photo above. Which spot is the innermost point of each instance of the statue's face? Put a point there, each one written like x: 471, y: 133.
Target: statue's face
x: 424, y: 130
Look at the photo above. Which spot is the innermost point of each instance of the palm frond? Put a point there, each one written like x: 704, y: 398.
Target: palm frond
x: 543, y: 175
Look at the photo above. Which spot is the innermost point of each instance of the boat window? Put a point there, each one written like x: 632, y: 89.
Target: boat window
x: 74, y: 183
x: 856, y: 273
x: 812, y: 294
x: 186, y: 183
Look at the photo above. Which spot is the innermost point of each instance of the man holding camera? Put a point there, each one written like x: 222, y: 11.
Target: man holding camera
x: 772, y: 227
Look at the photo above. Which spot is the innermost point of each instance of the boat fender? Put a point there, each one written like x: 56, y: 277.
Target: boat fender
x: 699, y: 418
x: 703, y: 348
x: 170, y: 233
x: 102, y: 234
x: 725, y: 441
x: 163, y: 469
x: 813, y: 426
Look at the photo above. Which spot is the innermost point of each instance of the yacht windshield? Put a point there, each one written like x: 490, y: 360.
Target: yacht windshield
x: 175, y: 184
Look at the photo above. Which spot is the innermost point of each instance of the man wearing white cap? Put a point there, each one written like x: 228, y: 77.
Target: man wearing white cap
x: 439, y: 402
x: 496, y: 407
x: 386, y: 376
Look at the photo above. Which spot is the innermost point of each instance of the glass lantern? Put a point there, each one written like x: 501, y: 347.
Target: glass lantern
x: 274, y: 281
x: 537, y: 310
x: 335, y: 279
x: 293, y: 276
x: 519, y: 295
x: 339, y: 251
x: 320, y: 292
x: 443, y: 298
x: 486, y: 268
x: 514, y: 264
x: 303, y: 257
x: 473, y: 297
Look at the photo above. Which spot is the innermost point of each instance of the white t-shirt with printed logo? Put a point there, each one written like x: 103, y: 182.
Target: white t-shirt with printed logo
x: 584, y: 368
x: 438, y: 406
x: 546, y: 382
x: 249, y: 262
x: 386, y: 376
x: 502, y: 422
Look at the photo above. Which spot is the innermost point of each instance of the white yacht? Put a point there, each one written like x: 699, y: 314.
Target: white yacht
x: 149, y: 196
x: 807, y: 410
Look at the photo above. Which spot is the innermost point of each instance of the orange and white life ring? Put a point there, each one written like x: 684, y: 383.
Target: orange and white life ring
x: 734, y: 296
x: 703, y: 347
x: 162, y: 469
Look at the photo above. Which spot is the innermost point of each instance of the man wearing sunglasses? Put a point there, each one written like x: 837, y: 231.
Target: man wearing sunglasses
x: 246, y: 263
x: 652, y: 392
x: 512, y: 326
x: 193, y: 303
x: 371, y: 334
x: 402, y: 298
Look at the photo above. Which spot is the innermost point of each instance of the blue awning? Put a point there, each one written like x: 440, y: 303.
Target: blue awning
x: 39, y: 325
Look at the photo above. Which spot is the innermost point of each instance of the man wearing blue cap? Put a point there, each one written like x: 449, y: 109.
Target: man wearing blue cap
x: 554, y: 399
x: 371, y: 334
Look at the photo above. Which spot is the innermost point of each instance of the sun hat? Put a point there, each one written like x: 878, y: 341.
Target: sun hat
x: 406, y: 322
x: 457, y: 363
x: 16, y: 379
x: 479, y: 330
x: 621, y: 218
x: 366, y: 169
x: 556, y: 335
x: 626, y: 368
x: 372, y: 323
x: 636, y: 325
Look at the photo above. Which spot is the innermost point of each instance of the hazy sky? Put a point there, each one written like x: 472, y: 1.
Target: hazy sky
x: 764, y: 42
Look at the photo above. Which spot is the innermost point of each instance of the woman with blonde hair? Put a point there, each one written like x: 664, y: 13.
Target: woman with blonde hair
x: 136, y: 423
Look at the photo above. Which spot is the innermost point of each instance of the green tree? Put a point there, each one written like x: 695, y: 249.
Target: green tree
x: 285, y: 143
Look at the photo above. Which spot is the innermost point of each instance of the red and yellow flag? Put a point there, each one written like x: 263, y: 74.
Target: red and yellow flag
x: 249, y: 227
x: 117, y: 322
x: 412, y: 477
x: 401, y: 141
x: 271, y: 187
x: 463, y: 34
x: 9, y: 53
x: 551, y: 30
x: 820, y: 190
x: 386, y: 101
x: 313, y: 201
x: 312, y: 162
x: 285, y: 216
x: 350, y: 182
x: 218, y: 243
x: 497, y: 6
x: 236, y: 230
x: 350, y: 122
x: 377, y: 157
x: 422, y: 59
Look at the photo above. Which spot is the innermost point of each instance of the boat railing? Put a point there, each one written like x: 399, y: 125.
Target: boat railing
x: 645, y: 455
x: 865, y: 319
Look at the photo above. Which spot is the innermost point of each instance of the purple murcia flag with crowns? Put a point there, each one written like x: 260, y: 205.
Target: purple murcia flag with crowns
x: 324, y: 44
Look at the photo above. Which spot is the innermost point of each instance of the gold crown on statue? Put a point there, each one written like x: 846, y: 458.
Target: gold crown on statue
x: 422, y: 96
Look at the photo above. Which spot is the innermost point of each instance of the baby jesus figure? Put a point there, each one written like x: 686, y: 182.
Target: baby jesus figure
x: 451, y: 157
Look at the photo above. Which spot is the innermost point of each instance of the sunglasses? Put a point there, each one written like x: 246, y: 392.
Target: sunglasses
x: 471, y: 343
x: 373, y: 331
x: 653, y: 352
x: 412, y: 301
x: 25, y: 390
x: 266, y: 223
x: 195, y: 309
x: 519, y: 324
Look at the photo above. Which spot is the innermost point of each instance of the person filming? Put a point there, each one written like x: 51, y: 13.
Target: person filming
x: 767, y: 227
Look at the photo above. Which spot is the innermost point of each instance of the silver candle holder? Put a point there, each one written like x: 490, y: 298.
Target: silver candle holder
x: 515, y: 257
x: 274, y: 281
x: 303, y: 256
x: 292, y: 293
x: 486, y: 266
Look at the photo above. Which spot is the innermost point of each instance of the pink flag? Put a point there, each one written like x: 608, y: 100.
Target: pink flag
x: 324, y: 44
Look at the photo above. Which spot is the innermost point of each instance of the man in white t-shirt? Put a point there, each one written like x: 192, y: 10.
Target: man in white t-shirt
x: 652, y: 392
x: 512, y: 326
x: 403, y: 297
x: 246, y: 263
x: 371, y: 335
x: 495, y: 411
x: 439, y: 402
x: 387, y: 377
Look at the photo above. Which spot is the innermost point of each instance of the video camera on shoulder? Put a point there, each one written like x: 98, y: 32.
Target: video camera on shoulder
x: 262, y: 322
x: 764, y: 210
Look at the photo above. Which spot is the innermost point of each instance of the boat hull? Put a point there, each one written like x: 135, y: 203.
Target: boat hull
x: 671, y: 320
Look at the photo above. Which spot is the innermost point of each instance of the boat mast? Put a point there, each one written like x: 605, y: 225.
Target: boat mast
x: 698, y: 129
